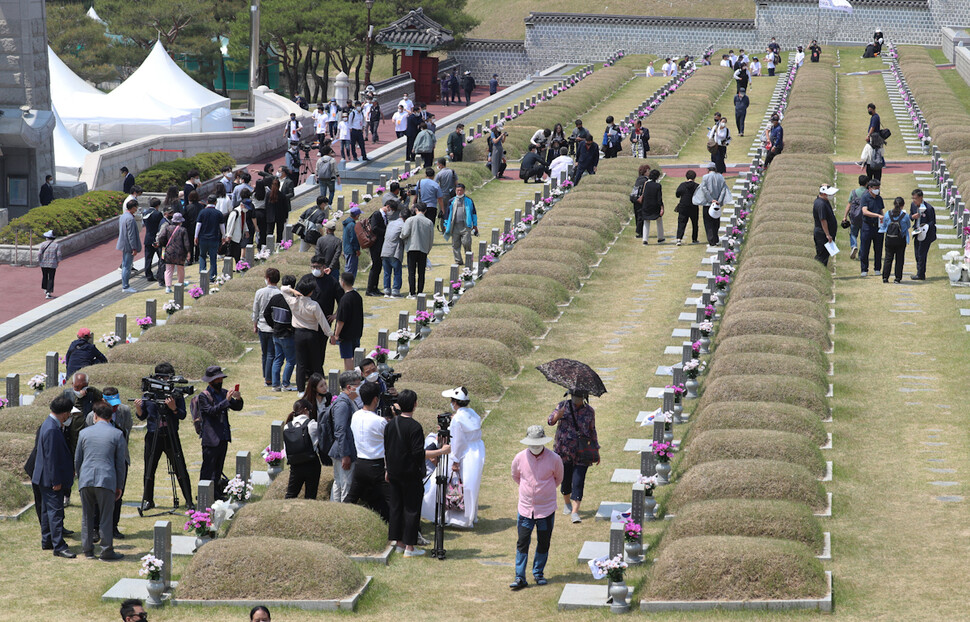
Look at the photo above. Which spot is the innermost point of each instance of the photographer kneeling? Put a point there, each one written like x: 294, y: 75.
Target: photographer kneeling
x: 162, y: 437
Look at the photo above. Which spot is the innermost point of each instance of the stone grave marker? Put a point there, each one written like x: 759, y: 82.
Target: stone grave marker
x: 469, y: 259
x: 402, y: 320
x: 355, y: 196
x: 648, y: 464
x: 382, y: 338
x: 359, y: 356
x: 508, y: 226
x: 227, y: 265
x: 545, y: 191
x: 495, y: 236
x: 637, y: 506
x: 395, y: 173
x: 516, y: 217
x: 276, y: 436
x: 178, y: 294
x: 333, y: 380
x: 51, y: 368
x: 370, y: 188
x: 453, y: 273
x: 244, y: 465
x: 439, y: 285
x: 668, y: 400
x: 270, y: 241
x: 528, y: 208
x: 151, y: 310
x: 422, y: 302
x: 121, y: 326
x: 687, y: 351
x: 13, y: 389
x: 162, y: 533
x: 250, y: 254
x: 287, y: 232
x: 340, y: 199
x: 207, y: 494
x: 204, y: 282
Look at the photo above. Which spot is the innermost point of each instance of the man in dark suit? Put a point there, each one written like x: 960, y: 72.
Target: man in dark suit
x: 587, y: 159
x: 54, y: 474
x: 327, y: 294
x: 47, y: 191
x: 214, y: 406
x: 411, y: 133
x: 128, y: 182
x: 100, y: 465
x: 378, y: 224
x: 151, y: 220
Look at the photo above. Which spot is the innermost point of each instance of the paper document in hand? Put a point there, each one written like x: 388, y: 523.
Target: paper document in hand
x: 832, y: 248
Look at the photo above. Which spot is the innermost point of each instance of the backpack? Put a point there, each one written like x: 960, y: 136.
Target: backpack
x: 885, y: 133
x: 306, y: 229
x: 365, y: 233
x: 196, y: 414
x: 298, y: 444
x: 878, y: 161
x: 636, y: 195
x: 855, y: 209
x: 894, y: 229
x: 327, y: 171
x: 325, y: 420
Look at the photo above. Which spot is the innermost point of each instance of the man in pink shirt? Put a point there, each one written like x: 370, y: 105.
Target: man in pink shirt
x: 538, y: 473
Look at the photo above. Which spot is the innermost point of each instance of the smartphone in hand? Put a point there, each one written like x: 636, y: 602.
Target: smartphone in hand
x: 236, y: 389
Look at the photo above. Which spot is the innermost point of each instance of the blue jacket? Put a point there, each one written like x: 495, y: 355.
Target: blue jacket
x: 351, y: 243
x: 214, y: 407
x: 53, y: 465
x: 587, y: 159
x: 904, y: 223
x: 100, y: 457
x: 777, y: 137
x: 342, y: 411
x: 471, y: 214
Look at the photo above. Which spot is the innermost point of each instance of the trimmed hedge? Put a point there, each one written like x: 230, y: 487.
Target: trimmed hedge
x: 504, y: 331
x: 188, y: 359
x: 752, y: 444
x: 567, y: 275
x: 794, y: 391
x: 488, y: 352
x: 752, y: 518
x: 772, y: 323
x: 454, y: 372
x: 735, y: 568
x: 536, y: 300
x: 238, y: 321
x: 264, y: 568
x: 159, y: 177
x: 64, y: 216
x: 524, y: 317
x: 361, y: 531
x: 748, y: 479
x: 219, y: 341
x: 761, y: 416
x: 766, y: 363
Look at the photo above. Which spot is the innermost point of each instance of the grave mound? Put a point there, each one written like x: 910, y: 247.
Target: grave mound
x: 188, y: 360
x: 349, y: 528
x: 780, y: 305
x: 14, y: 451
x: 488, y: 352
x: 759, y: 415
x: 521, y: 263
x: 767, y: 248
x: 760, y: 364
x: 536, y: 300
x: 579, y: 247
x: 794, y: 391
x: 717, y: 445
x: 573, y: 232
x: 504, y: 331
x: 238, y: 321
x: 773, y: 289
x: 277, y: 488
x: 477, y: 378
x: 773, y: 323
x: 549, y: 287
x: 219, y: 341
x: 526, y: 318
x: 14, y: 495
x: 748, y: 479
x: 778, y: 344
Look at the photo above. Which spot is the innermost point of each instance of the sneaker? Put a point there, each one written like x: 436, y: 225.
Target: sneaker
x: 855, y: 252
x: 398, y: 295
x: 661, y: 240
x: 399, y: 549
x: 518, y: 584
x: 129, y: 290
x: 290, y: 387
x: 414, y: 553
x: 566, y: 510
x: 679, y: 242
x: 373, y: 294
x: 576, y: 518
x: 387, y: 295
x: 410, y: 296
x: 863, y: 274
x: 540, y: 580
x: 168, y: 290
x: 277, y: 389
x: 645, y: 243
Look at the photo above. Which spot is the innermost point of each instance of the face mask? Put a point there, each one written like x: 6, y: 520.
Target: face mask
x: 536, y: 450
x: 453, y: 407
x: 78, y: 393
x: 317, y: 273
x: 266, y: 281
x: 875, y: 192
x: 372, y: 377
x: 217, y: 385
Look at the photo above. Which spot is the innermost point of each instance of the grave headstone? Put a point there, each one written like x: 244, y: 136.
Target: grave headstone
x: 699, y: 312
x: 207, y: 494
x: 204, y: 283
x: 508, y: 226
x: 528, y: 208
x: 382, y: 338
x: 151, y: 310
x: 276, y: 436
x: 554, y: 183
x: 395, y: 173
x: 355, y: 196
x: 469, y: 259
x: 496, y: 234
x: 384, y: 181
x: 658, y: 431
x: 13, y: 389
x: 287, y: 232
x: 370, y: 188
x: 617, y: 530
x: 516, y: 217
x: 695, y: 332
x: 636, y: 505
x: 453, y: 273
x: 402, y: 320
x: 333, y: 381
x: 178, y: 294
x: 162, y: 549
x: 270, y: 241
x: 706, y: 297
x: 359, y: 356
x: 439, y: 285
x: 244, y: 465
x: 668, y: 403
x: 422, y: 302
x: 121, y: 325
x: 678, y: 370
x: 51, y: 368
x: 687, y: 351
x: 648, y: 464
x: 545, y: 191
x: 482, y: 247
x: 227, y: 265
x: 340, y: 199
x: 250, y: 254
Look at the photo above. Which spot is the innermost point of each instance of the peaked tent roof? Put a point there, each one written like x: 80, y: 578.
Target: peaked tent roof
x: 94, y: 15
x: 64, y: 82
x: 414, y: 31
x: 69, y: 154
x: 167, y: 83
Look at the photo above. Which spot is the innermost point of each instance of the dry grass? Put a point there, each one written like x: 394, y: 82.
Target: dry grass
x: 14, y: 450
x: 752, y: 518
x: 781, y: 275
x: 735, y: 568
x: 349, y: 528
x: 548, y: 287
x: 188, y: 359
x: 613, y: 219
x: 777, y: 249
x: 774, y: 323
x: 761, y: 416
x: 238, y: 321
x: 559, y: 256
x: 567, y: 275
x: 526, y: 318
x: 23, y: 419
x: 488, y: 352
x: 226, y: 300
x: 578, y: 232
x: 579, y: 247
x: 794, y: 391
x: 504, y: 331
x: 775, y: 344
x: 788, y: 263
x: 536, y: 300
x: 14, y: 495
x: 747, y: 479
x: 219, y: 341
x: 267, y: 568
x: 803, y: 308
x: 277, y: 488
x: 777, y: 290
x: 717, y: 445
x: 479, y: 379
x: 573, y: 219
x: 758, y: 364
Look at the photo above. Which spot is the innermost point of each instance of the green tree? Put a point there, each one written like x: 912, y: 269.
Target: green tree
x: 80, y: 42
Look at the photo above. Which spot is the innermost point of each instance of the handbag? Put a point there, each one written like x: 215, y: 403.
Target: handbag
x: 711, y: 145
x: 586, y: 452
x: 455, y: 494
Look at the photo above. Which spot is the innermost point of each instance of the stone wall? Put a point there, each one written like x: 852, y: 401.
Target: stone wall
x: 953, y: 38
x: 508, y: 59
x: 796, y: 23
x: 962, y: 60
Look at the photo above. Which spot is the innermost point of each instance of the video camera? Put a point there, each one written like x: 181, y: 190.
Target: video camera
x: 385, y: 406
x: 306, y: 147
x: 159, y: 388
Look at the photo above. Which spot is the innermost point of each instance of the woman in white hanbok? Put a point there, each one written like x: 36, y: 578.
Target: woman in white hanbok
x: 467, y: 458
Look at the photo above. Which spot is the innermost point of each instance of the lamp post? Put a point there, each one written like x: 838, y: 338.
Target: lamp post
x: 367, y: 57
x: 253, y: 53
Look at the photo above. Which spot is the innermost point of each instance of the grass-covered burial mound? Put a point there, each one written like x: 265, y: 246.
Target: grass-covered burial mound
x: 747, y: 444
x: 264, y: 568
x: 759, y: 415
x: 748, y: 479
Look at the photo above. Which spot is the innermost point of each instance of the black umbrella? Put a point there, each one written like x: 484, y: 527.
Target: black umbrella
x: 573, y: 375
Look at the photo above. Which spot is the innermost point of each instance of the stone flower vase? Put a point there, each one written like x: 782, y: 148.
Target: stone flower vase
x: 634, y: 552
x: 155, y: 589
x: 402, y: 350
x: 439, y: 314
x: 425, y: 331
x: 691, y: 385
x: 274, y: 471
x: 663, y: 473
x: 619, y: 592
x: 201, y: 540
x: 649, y: 507
x: 705, y: 345
x: 468, y: 284
x: 678, y: 411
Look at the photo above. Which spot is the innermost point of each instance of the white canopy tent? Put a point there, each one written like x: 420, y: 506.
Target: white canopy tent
x: 68, y: 153
x: 94, y: 15
x: 165, y: 81
x: 93, y: 116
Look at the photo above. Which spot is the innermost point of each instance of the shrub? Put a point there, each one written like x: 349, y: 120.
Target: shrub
x: 584, y: 250
x: 454, y: 372
x: 538, y: 301
x: 549, y: 287
x: 524, y: 317
x: 803, y: 308
x: 567, y: 275
x: 761, y: 416
x: 238, y: 321
x: 591, y: 238
x: 766, y: 363
x: 64, y: 216
x: 504, y: 331
x: 14, y: 450
x: 361, y: 531
x: 771, y: 323
x: 794, y: 391
x: 187, y: 359
x: 219, y: 341
x: 748, y: 479
x: 488, y: 352
x: 752, y: 444
x: 263, y: 568
x: 751, y: 518
x: 767, y: 289
x: 277, y: 488
x: 14, y: 495
x: 735, y: 568
x: 159, y: 177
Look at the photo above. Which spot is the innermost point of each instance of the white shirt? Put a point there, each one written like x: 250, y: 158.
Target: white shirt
x: 343, y: 130
x: 312, y: 427
x: 333, y: 110
x: 725, y: 62
x: 559, y: 165
x: 733, y: 58
x: 400, y: 119
x: 755, y: 69
x: 666, y: 68
x: 407, y: 103
x: 368, y: 430
x: 356, y: 119
x: 319, y: 122
x: 224, y: 204
x: 799, y: 59
x: 770, y: 59
x: 293, y: 128
x: 651, y: 72
x: 673, y: 70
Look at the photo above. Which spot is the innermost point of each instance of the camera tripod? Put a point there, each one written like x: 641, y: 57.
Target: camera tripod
x: 174, y: 459
x: 305, y: 168
x: 441, y: 473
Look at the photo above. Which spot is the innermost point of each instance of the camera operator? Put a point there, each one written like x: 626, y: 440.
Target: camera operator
x: 369, y: 482
x: 162, y: 422
x: 214, y: 406
x: 541, y: 141
x: 293, y: 161
x: 368, y: 372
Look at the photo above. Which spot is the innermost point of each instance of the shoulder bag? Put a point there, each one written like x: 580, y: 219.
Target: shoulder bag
x: 586, y: 452
x: 455, y: 494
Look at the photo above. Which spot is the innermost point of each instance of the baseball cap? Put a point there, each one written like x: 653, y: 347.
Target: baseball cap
x: 84, y: 332
x: 355, y: 211
x: 827, y: 190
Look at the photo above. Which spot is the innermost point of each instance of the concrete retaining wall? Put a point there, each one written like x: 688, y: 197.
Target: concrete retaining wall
x: 70, y: 244
x: 961, y: 57
x: 954, y: 37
